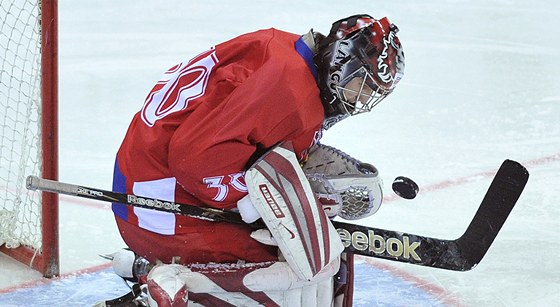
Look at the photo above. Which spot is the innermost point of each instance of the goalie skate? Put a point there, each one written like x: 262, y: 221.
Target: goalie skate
x: 135, y: 298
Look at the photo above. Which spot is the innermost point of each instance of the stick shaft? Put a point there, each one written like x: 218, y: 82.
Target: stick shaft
x: 461, y: 254
x: 206, y: 213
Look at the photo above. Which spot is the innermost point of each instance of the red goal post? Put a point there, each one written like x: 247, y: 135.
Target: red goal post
x: 29, y: 137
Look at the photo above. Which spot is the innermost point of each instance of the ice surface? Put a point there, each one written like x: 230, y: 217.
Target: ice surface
x: 481, y: 85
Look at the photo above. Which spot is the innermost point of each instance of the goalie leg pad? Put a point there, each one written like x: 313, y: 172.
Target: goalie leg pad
x: 248, y: 284
x: 283, y: 197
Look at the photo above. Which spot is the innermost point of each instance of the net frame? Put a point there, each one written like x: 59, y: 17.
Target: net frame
x: 46, y: 258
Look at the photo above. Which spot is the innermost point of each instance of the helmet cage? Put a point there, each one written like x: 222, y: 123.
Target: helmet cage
x: 358, y: 92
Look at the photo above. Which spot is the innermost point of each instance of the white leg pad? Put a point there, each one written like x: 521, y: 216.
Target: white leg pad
x: 281, y: 194
x: 270, y: 284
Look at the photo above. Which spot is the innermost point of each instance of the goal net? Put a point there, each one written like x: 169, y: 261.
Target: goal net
x: 28, y: 137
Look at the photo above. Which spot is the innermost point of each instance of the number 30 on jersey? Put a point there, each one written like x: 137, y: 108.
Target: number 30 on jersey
x: 223, y: 184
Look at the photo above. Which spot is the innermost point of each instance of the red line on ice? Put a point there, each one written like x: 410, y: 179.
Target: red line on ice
x: 438, y: 293
x: 43, y: 281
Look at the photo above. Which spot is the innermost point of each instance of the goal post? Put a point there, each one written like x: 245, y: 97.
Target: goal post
x: 29, y: 131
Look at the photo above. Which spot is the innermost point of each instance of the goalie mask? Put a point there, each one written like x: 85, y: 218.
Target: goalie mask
x: 359, y: 63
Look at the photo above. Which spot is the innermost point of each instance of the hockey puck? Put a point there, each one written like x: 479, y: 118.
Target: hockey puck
x: 405, y: 187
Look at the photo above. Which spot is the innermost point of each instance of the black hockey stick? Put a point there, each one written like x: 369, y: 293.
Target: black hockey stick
x: 461, y: 254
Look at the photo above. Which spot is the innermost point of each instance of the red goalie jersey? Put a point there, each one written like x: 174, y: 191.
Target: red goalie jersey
x: 201, y: 126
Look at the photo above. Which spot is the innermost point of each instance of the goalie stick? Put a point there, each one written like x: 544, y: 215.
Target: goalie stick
x: 461, y: 254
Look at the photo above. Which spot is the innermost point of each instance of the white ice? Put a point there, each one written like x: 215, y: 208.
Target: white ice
x: 481, y: 85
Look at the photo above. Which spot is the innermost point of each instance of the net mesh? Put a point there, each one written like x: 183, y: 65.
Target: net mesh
x: 20, y: 153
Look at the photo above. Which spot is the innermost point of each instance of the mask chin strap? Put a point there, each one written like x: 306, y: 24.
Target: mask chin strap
x: 331, y: 103
x: 334, y: 111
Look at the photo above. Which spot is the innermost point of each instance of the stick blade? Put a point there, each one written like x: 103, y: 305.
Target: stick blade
x: 462, y: 254
x: 497, y: 204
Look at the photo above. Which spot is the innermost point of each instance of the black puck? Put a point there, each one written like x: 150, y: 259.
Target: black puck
x: 405, y: 187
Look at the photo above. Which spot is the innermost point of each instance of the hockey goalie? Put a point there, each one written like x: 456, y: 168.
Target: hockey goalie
x: 238, y: 128
x: 295, y: 205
